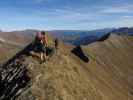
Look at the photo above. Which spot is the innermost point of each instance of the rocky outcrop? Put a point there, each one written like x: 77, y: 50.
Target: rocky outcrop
x: 14, y: 80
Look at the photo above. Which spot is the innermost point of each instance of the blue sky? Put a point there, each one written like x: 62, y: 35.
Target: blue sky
x: 65, y: 14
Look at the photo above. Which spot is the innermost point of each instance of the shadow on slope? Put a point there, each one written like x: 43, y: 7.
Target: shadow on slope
x: 79, y: 52
x: 105, y: 37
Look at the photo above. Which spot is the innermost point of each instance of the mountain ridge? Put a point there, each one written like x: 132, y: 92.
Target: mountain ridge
x: 67, y: 77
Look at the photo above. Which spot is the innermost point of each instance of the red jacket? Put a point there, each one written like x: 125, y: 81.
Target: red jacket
x: 42, y: 38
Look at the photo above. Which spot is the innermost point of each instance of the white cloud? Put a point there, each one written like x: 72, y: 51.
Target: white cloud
x: 127, y: 17
x: 126, y: 8
x: 126, y: 22
x: 66, y: 15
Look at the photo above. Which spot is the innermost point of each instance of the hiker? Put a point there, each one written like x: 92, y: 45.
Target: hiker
x: 36, y: 45
x: 37, y: 42
x: 56, y: 43
x: 40, y: 46
x: 43, y: 46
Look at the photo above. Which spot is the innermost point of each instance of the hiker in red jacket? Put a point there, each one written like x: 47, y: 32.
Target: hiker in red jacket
x: 43, y: 46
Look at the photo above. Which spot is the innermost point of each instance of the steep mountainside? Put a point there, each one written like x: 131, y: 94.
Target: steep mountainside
x: 99, y: 71
x: 107, y: 75
x: 112, y: 67
x: 12, y: 42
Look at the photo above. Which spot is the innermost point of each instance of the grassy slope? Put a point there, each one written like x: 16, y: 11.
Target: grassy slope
x: 14, y: 42
x: 112, y: 66
x: 7, y: 51
x: 105, y: 77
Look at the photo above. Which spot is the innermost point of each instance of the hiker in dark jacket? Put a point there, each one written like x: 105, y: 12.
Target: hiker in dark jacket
x: 37, y: 42
x: 56, y: 43
x: 40, y: 46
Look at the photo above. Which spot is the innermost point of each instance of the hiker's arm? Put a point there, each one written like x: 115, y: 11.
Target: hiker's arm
x: 42, y: 41
x: 46, y: 41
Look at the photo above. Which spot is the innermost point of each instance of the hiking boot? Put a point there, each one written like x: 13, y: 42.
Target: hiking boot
x: 41, y: 62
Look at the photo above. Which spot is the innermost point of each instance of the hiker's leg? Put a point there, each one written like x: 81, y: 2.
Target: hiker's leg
x: 41, y: 52
x: 45, y: 57
x: 44, y: 54
x: 41, y: 56
x: 56, y: 51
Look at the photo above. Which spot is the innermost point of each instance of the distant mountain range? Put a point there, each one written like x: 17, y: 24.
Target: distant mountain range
x: 86, y: 37
x: 77, y: 37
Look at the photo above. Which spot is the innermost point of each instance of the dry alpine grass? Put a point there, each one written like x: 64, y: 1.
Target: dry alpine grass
x: 107, y: 76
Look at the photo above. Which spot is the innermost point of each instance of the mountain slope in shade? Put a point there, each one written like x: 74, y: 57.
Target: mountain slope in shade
x: 85, y: 40
x: 123, y: 31
x: 99, y: 36
x: 107, y: 75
